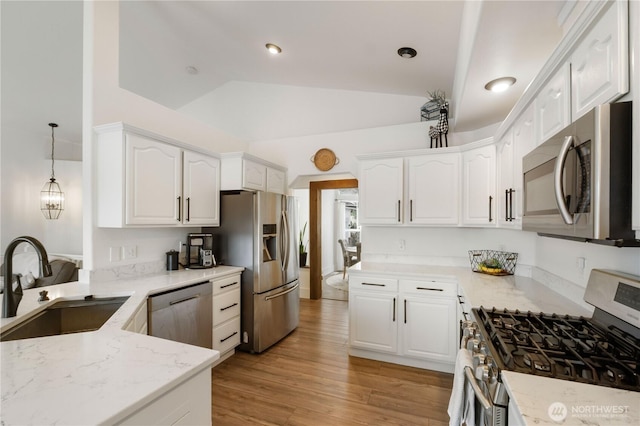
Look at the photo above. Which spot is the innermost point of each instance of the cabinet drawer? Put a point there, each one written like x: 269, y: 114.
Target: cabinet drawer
x: 373, y: 283
x: 226, y: 284
x: 226, y: 306
x: 226, y: 336
x: 429, y: 288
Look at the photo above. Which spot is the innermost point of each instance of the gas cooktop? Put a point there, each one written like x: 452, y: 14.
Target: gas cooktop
x: 561, y: 346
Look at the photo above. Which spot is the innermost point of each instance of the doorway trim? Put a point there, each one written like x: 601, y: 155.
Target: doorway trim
x: 315, y: 230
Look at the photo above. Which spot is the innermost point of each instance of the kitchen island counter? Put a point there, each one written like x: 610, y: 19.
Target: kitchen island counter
x: 98, y: 377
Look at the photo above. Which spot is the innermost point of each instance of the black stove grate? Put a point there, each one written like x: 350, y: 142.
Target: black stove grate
x: 561, y: 346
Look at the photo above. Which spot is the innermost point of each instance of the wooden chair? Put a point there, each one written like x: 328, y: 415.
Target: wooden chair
x: 349, y: 259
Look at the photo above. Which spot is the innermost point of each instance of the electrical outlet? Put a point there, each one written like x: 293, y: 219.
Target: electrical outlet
x: 115, y: 254
x: 129, y: 252
x: 401, y: 244
x: 581, y: 263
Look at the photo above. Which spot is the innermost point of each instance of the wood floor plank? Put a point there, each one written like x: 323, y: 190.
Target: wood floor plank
x: 309, y: 379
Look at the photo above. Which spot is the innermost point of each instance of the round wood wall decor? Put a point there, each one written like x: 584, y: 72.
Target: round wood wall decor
x: 324, y: 159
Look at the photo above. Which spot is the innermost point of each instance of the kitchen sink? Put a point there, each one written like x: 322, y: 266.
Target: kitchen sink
x: 66, y: 316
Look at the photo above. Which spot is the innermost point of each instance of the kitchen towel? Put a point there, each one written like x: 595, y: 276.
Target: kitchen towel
x: 462, y: 402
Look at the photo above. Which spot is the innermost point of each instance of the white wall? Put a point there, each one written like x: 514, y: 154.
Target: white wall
x: 329, y: 241
x: 444, y: 246
x: 33, y: 95
x: 106, y: 102
x: 258, y: 111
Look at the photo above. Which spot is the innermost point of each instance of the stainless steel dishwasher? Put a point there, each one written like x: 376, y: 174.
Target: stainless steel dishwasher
x: 183, y: 315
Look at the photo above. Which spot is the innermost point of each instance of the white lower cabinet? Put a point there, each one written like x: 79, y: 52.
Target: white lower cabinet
x: 429, y: 326
x: 410, y: 322
x: 226, y: 315
x: 187, y: 404
x: 373, y: 314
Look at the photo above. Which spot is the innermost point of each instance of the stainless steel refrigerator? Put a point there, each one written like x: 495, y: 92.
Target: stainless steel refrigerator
x: 258, y: 230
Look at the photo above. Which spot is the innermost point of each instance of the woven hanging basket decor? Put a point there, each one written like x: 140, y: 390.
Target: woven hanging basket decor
x: 324, y: 159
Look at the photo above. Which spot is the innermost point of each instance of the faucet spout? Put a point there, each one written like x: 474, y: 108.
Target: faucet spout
x: 11, y: 298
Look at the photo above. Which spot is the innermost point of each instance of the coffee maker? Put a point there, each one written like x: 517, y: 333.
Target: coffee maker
x: 200, y: 251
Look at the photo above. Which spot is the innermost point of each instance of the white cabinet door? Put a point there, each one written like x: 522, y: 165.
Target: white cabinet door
x: 429, y: 328
x: 254, y: 175
x: 434, y: 189
x: 553, y: 105
x: 478, y: 186
x: 276, y: 181
x: 600, y: 64
x: 504, y: 202
x: 524, y: 141
x: 373, y: 321
x: 153, y: 181
x: 381, y: 191
x: 201, y: 190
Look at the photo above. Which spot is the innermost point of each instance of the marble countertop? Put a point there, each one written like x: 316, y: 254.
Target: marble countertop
x: 533, y: 395
x: 98, y: 377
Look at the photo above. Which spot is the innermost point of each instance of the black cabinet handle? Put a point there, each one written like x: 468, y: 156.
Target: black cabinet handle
x: 506, y: 205
x: 179, y: 207
x: 394, y: 309
x: 410, y: 210
x: 405, y: 311
x: 375, y: 284
x: 228, y: 307
x: 228, y: 337
x: 490, y: 201
x: 511, y: 191
x: 228, y: 285
x: 188, y: 209
x: 399, y: 211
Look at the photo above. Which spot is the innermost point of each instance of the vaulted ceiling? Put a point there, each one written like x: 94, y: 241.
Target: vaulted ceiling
x: 341, y: 54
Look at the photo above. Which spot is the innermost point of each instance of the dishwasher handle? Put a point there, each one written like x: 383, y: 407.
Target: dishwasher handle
x: 186, y: 299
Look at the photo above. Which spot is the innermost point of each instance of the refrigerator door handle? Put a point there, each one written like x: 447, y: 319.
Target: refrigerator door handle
x: 282, y: 293
x: 284, y: 238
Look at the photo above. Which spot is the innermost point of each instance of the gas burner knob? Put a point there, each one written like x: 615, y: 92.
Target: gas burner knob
x: 473, y: 345
x: 484, y: 373
x: 490, y: 362
x: 469, y: 324
x: 484, y: 348
x: 478, y: 360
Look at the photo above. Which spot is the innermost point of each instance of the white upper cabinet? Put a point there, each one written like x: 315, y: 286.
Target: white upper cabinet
x: 244, y: 171
x: 276, y: 180
x: 479, y: 186
x: 254, y: 175
x: 518, y: 141
x: 553, y: 104
x: 201, y: 190
x: 506, y: 177
x: 145, y: 180
x: 153, y: 181
x: 600, y: 64
x: 524, y: 141
x: 434, y: 189
x: 381, y: 191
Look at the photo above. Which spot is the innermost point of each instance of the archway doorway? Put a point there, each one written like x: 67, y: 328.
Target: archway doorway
x: 315, y: 230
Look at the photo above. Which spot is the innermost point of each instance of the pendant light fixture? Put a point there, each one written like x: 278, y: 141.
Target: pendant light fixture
x: 51, y: 197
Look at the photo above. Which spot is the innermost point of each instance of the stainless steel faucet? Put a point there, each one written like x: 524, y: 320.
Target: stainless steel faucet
x: 12, y: 298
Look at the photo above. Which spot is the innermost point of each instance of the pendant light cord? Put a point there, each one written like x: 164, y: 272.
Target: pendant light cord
x: 53, y: 141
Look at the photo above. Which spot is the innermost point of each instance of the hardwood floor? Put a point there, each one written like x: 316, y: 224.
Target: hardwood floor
x: 309, y: 379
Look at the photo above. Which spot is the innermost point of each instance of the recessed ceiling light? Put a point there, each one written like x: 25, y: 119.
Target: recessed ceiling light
x: 407, y: 52
x: 500, y: 84
x: 273, y: 49
x: 192, y: 70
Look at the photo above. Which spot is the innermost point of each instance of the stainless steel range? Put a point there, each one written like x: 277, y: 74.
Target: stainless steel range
x: 603, y: 350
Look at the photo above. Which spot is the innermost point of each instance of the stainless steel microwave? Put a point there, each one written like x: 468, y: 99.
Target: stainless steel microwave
x: 577, y: 184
